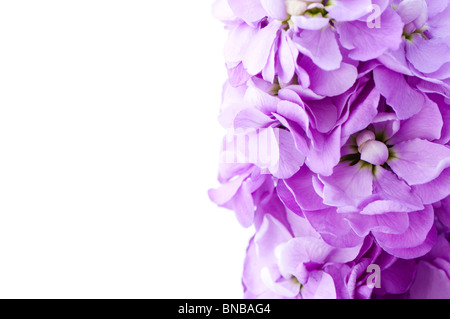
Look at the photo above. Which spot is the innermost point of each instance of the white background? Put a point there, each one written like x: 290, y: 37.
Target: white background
x: 109, y: 142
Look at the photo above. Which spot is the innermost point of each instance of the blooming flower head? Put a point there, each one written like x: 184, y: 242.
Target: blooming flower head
x: 338, y: 125
x: 286, y: 261
x: 389, y: 175
x: 426, y: 45
x: 432, y: 280
x: 289, y: 259
x: 271, y: 38
x: 424, y: 52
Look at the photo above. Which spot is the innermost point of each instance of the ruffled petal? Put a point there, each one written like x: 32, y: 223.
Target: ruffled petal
x: 405, y: 100
x: 366, y: 43
x: 321, y: 46
x: 419, y: 161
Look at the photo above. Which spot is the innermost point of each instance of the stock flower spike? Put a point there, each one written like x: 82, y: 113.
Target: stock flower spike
x: 337, y: 146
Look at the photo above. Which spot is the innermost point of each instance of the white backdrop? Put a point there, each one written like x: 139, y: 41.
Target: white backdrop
x: 109, y: 142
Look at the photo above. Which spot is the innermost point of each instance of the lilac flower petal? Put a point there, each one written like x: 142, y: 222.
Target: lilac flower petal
x: 226, y: 192
x: 430, y: 283
x: 243, y: 206
x: 253, y: 265
x: 301, y: 250
x: 398, y: 278
x: 296, y: 120
x: 440, y: 24
x: 228, y: 172
x: 441, y: 251
x: 252, y: 118
x: 238, y: 75
x: 301, y: 93
x: 386, y: 123
x: 394, y: 193
x: 427, y: 55
x: 271, y: 234
x: 429, y: 85
x: 349, y: 10
x: 420, y: 224
x: 383, y: 206
x: 410, y: 10
x: 443, y: 212
x: 334, y: 229
x: 349, y: 239
x: 436, y: 190
x: 269, y: 203
x: 290, y: 159
x: 299, y: 136
x: 318, y: 185
x: 300, y: 187
x: 414, y: 252
x: 321, y: 46
x: 231, y: 104
x: 248, y: 10
x: 310, y: 249
x: 300, y: 226
x: 268, y: 72
x: 320, y: 286
x: 287, y: 58
x: 259, y: 97
x: 324, y: 113
x: 436, y: 6
x: 347, y: 186
x: 419, y: 161
x: 260, y: 47
x: 389, y: 223
x: 238, y: 42
x: 442, y: 73
x: 405, y: 101
x: 281, y: 287
x: 382, y: 4
x: 362, y: 114
x: 352, y: 97
x: 330, y: 83
x: 295, y: 113
x: 288, y: 199
x: 352, y: 283
x: 395, y: 60
x: 427, y: 124
x: 367, y: 43
x: 325, y: 154
x: 275, y: 9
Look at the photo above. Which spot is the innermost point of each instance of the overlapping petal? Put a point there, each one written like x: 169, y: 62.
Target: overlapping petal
x: 337, y: 148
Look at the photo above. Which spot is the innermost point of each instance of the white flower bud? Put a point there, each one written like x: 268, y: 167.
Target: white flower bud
x: 296, y: 7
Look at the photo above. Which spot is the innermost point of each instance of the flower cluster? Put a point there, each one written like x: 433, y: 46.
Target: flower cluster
x: 338, y: 146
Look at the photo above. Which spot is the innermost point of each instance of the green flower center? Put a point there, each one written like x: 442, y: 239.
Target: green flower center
x: 369, y: 150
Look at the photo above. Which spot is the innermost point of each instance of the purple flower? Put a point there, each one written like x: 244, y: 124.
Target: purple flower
x: 309, y: 128
x: 243, y: 188
x: 338, y: 145
x: 353, y: 278
x: 384, y: 185
x: 289, y: 259
x: 268, y: 38
x: 442, y: 210
x: 425, y: 49
x: 432, y: 280
x: 256, y: 133
x: 423, y: 56
x: 285, y: 260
